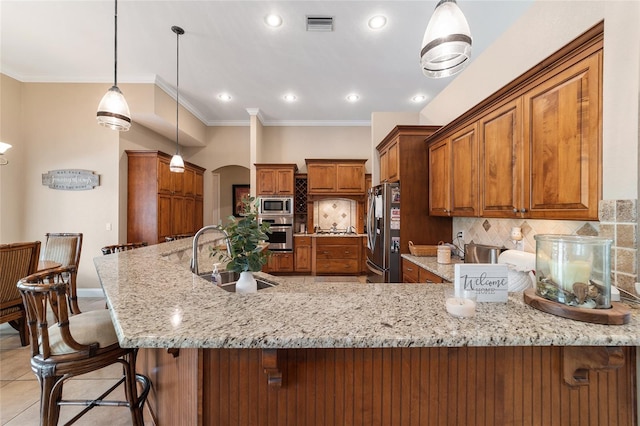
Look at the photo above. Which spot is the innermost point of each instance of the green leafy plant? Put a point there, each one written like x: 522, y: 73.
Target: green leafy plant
x: 245, y: 240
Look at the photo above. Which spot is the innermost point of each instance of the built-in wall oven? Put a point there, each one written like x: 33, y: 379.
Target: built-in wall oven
x: 281, y: 236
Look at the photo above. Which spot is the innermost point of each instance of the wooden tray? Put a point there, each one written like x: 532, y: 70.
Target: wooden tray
x: 618, y: 314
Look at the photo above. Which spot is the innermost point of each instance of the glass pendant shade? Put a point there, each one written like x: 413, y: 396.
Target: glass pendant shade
x: 446, y: 46
x: 177, y: 163
x: 113, y: 111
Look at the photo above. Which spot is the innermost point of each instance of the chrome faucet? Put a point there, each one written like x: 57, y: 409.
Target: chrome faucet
x: 194, y: 252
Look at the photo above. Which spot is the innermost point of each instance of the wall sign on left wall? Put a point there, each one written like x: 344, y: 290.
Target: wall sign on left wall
x: 71, y: 179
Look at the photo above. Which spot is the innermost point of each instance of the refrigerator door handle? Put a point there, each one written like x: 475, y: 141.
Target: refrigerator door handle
x: 374, y: 268
x: 371, y: 238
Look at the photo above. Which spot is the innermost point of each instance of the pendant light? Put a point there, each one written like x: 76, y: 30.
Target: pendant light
x: 177, y: 163
x: 113, y: 111
x: 446, y: 46
x: 3, y: 148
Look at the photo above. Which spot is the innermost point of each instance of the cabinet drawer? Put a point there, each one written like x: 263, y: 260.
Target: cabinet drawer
x: 337, y: 252
x: 301, y: 241
x: 409, y: 272
x: 425, y: 276
x: 337, y: 266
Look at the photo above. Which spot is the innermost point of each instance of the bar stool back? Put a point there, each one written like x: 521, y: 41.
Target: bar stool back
x: 72, y: 346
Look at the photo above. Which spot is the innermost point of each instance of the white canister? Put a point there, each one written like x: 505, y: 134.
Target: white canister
x: 444, y: 254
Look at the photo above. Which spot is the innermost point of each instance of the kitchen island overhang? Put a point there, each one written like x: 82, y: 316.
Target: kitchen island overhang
x: 380, y: 328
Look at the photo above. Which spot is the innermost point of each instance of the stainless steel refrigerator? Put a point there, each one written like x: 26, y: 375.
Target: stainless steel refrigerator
x: 383, y: 234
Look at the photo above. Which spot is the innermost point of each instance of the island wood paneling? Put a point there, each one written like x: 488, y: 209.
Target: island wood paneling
x: 393, y: 386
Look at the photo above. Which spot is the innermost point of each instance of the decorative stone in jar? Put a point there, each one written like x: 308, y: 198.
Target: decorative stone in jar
x: 574, y: 270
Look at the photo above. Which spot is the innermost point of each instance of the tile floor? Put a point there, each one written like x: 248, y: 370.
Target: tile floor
x: 20, y: 392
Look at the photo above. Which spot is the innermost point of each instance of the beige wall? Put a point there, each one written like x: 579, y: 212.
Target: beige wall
x: 12, y: 174
x: 295, y: 144
x: 545, y: 28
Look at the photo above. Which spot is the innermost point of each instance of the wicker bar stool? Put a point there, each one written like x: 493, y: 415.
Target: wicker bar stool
x: 116, y: 248
x: 72, y: 346
x: 65, y: 249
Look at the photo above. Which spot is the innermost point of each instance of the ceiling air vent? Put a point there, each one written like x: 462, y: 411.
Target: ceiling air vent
x: 319, y: 23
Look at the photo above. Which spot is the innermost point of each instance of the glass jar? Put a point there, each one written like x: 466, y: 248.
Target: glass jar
x: 574, y: 270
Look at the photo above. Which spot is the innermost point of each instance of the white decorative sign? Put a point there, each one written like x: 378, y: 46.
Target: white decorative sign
x: 71, y: 179
x: 489, y: 281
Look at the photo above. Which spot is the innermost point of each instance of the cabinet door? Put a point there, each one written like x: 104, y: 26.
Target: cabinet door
x: 321, y: 177
x: 439, y: 178
x: 384, y: 165
x: 350, y: 178
x: 164, y: 218
x: 562, y: 127
x: 198, y: 183
x: 164, y: 177
x: 409, y: 271
x: 502, y: 165
x: 464, y: 172
x: 189, y: 224
x: 178, y: 214
x: 177, y: 183
x: 266, y: 182
x: 302, y: 250
x: 189, y: 176
x: 284, y: 182
x: 393, y: 172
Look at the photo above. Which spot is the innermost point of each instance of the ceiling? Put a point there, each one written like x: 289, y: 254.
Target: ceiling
x: 227, y: 48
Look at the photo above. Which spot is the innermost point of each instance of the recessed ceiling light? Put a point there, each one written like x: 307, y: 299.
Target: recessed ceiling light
x: 224, y: 97
x: 289, y: 97
x: 353, y: 97
x: 377, y: 22
x: 419, y: 98
x: 273, y: 20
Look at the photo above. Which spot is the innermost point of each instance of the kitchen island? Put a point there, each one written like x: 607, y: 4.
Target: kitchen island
x: 346, y: 353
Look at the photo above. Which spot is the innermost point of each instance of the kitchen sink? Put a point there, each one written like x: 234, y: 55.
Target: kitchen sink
x: 229, y: 279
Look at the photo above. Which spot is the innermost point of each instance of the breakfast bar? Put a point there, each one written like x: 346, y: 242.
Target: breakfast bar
x: 347, y: 353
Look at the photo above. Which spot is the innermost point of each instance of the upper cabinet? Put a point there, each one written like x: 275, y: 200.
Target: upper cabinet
x: 539, y: 144
x: 453, y: 174
x: 161, y: 203
x: 335, y: 177
x: 275, y: 179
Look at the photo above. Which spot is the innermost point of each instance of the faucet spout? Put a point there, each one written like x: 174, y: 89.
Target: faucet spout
x: 196, y: 237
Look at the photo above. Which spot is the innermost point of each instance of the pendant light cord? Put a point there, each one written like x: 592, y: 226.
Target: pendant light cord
x: 177, y: 86
x: 115, y: 47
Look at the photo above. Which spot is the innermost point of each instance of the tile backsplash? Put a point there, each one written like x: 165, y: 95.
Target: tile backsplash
x: 617, y: 221
x: 341, y: 213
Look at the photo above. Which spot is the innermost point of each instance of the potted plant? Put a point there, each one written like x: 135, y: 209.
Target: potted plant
x: 246, y: 251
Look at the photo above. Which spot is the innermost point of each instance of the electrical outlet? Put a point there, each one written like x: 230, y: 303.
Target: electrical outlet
x: 461, y: 235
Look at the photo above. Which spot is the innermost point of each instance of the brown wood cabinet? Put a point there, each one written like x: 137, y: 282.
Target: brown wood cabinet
x: 275, y: 179
x: 337, y: 255
x: 332, y: 177
x: 412, y: 273
x: 539, y: 143
x: 302, y: 250
x: 389, y: 167
x: 413, y: 167
x: 453, y: 174
x: 279, y: 262
x: 161, y: 203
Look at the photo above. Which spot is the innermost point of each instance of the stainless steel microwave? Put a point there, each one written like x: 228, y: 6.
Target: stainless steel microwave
x: 276, y: 206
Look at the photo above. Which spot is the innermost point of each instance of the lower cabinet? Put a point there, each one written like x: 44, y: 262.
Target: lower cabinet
x: 412, y: 273
x: 302, y: 251
x: 279, y: 262
x: 337, y: 256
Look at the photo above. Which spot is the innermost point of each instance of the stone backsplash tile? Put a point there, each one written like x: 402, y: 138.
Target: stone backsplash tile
x: 618, y: 221
x: 340, y: 213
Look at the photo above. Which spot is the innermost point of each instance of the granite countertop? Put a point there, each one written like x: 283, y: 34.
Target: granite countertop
x: 156, y: 301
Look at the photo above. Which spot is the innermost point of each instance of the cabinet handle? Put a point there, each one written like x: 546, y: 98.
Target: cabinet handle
x: 325, y: 252
x: 523, y: 210
x: 515, y: 210
x: 347, y: 252
x: 409, y: 269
